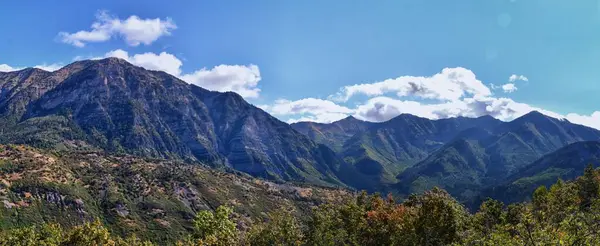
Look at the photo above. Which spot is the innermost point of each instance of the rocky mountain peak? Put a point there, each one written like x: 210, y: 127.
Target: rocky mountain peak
x: 113, y: 105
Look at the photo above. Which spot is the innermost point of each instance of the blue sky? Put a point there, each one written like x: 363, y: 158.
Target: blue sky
x: 299, y: 59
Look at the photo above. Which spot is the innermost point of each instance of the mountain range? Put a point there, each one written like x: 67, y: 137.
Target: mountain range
x: 465, y: 156
x: 116, y: 107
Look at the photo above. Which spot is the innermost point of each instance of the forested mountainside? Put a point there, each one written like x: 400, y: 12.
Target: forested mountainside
x: 566, y: 163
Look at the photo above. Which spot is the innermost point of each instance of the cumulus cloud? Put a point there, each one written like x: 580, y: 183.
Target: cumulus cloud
x: 470, y: 98
x: 592, y: 120
x: 241, y: 79
x: 7, y: 68
x: 160, y: 62
x: 515, y: 77
x: 134, y: 30
x: 449, y: 84
x: 238, y: 78
x: 509, y: 88
x: 380, y: 109
x: 308, y: 109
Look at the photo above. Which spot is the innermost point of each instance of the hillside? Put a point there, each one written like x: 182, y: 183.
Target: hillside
x: 386, y: 149
x: 566, y: 163
x: 565, y: 213
x: 156, y: 199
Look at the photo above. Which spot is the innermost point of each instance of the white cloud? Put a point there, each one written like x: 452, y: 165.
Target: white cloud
x: 381, y: 109
x: 134, y: 30
x: 509, y: 88
x: 592, y: 120
x: 323, y: 118
x: 241, y: 79
x: 308, y: 109
x: 162, y: 62
x: 450, y: 84
x: 7, y: 68
x: 515, y: 77
x: 384, y: 108
x: 238, y: 78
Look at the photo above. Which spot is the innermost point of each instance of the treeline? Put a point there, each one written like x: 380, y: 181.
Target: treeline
x: 567, y: 213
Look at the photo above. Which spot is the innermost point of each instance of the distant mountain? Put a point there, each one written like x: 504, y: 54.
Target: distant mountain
x: 566, y: 163
x: 334, y: 134
x: 479, y: 158
x: 112, y: 105
x: 380, y: 151
x: 385, y: 149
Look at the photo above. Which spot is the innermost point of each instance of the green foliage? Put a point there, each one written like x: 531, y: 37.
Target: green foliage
x: 589, y: 186
x: 282, y: 228
x: 215, y: 228
x: 46, y: 234
x: 89, y: 234
x: 92, y: 233
x: 565, y: 214
x: 440, y: 219
x: 490, y: 215
x: 337, y: 224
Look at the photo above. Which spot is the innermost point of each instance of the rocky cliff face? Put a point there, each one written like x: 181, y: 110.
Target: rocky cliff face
x: 113, y: 105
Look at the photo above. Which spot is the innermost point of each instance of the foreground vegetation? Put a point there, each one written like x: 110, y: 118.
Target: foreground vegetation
x: 154, y: 199
x: 567, y: 213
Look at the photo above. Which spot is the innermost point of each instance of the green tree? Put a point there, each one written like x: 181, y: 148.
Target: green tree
x: 490, y: 215
x: 91, y: 233
x: 328, y: 227
x: 589, y: 186
x: 215, y: 228
x: 282, y: 228
x: 539, y: 199
x: 563, y: 201
x: 440, y: 219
